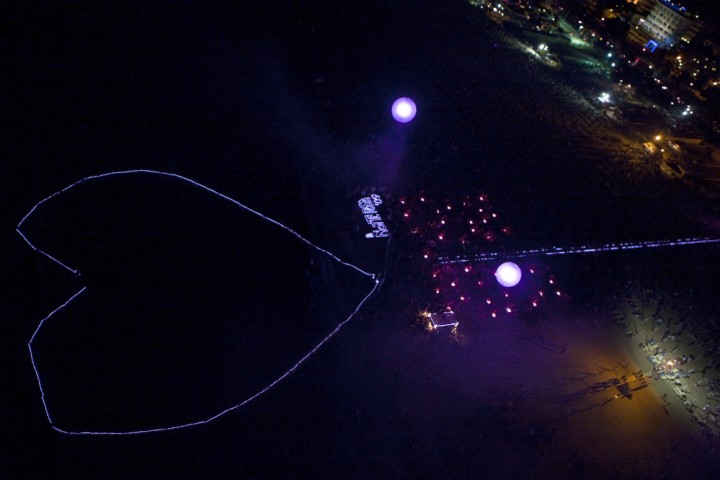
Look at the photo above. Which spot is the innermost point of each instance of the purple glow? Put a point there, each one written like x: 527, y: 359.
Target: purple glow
x: 508, y: 274
x: 403, y: 109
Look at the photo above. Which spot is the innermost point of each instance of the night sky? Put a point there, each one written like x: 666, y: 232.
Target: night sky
x: 284, y: 107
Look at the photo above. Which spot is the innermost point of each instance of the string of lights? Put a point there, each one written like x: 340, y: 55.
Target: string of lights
x: 377, y: 283
x: 185, y: 179
x: 610, y: 247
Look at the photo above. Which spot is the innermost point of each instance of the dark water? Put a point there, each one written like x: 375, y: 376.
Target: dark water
x: 284, y: 108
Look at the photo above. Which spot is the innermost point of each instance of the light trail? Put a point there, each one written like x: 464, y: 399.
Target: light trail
x: 376, y: 279
x: 608, y: 247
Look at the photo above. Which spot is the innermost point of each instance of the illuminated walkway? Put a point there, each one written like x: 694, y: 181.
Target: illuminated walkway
x: 610, y: 247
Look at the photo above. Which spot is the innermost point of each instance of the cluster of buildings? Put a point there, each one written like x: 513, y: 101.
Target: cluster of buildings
x: 670, y: 52
x: 679, y: 45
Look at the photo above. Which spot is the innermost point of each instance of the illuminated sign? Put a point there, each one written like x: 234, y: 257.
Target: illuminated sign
x: 368, y: 207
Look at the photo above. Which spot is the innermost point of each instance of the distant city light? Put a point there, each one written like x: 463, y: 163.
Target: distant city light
x: 404, y: 110
x: 508, y: 274
x: 604, y: 97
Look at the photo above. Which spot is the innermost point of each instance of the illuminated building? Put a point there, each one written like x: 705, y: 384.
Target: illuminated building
x: 667, y: 23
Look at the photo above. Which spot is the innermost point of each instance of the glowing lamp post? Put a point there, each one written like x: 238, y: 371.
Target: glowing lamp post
x: 508, y: 274
x: 403, y: 109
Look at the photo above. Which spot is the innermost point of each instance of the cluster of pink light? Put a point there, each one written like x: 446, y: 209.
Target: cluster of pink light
x: 470, y: 224
x: 474, y: 287
x: 443, y: 224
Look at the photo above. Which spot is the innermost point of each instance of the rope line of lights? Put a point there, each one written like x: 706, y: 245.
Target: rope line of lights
x: 376, y: 286
x: 610, y: 247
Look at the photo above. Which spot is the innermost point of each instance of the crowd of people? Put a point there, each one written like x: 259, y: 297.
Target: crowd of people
x: 681, y: 347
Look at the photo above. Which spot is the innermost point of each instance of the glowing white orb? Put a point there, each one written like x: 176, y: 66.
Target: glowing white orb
x: 404, y: 109
x: 508, y: 274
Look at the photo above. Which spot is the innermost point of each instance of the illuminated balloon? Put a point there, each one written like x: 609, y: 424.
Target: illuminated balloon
x: 508, y: 274
x: 404, y: 109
